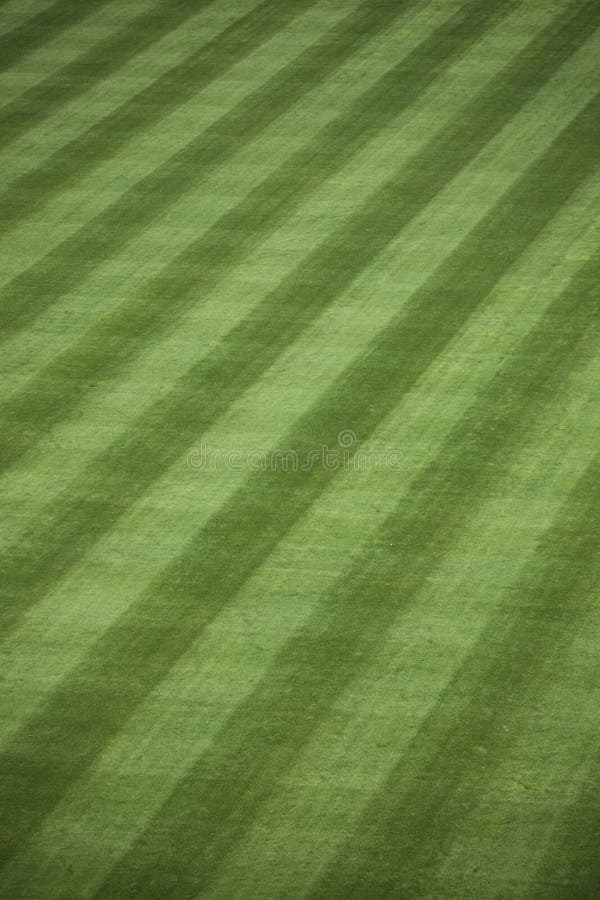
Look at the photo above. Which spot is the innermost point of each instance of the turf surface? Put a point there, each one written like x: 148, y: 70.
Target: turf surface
x: 300, y: 477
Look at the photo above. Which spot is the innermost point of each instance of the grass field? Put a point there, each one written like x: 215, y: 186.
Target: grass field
x: 300, y: 469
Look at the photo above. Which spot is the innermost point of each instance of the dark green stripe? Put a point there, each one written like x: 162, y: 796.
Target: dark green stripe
x: 66, y: 266
x: 571, y: 868
x: 409, y: 826
x: 265, y: 735
x: 43, y: 27
x: 114, y: 341
x: 43, y: 100
x: 56, y: 745
x: 113, y: 481
x: 72, y: 162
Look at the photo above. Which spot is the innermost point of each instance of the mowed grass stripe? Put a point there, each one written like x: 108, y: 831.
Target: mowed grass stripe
x: 409, y: 826
x: 516, y: 829
x: 67, y: 321
x: 70, y: 446
x: 51, y: 135
x: 155, y: 146
x: 197, y: 116
x: 161, y: 522
x: 42, y: 27
x: 68, y: 265
x: 346, y: 632
x: 47, y: 98
x: 14, y: 14
x: 154, y: 529
x: 30, y: 192
x: 180, y: 718
x: 570, y: 866
x: 318, y: 802
x: 151, y: 640
x: 164, y: 140
x: 191, y: 426
x: 65, y: 49
x: 100, y: 62
x: 126, y: 470
x: 117, y: 323
x: 199, y: 267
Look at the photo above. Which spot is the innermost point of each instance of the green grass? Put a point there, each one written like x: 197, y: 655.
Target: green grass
x: 255, y: 226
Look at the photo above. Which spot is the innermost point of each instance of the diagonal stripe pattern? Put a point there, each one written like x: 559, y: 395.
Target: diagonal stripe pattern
x: 325, y: 677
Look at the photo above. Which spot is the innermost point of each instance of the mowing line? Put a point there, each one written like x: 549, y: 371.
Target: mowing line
x: 105, y: 56
x: 319, y: 801
x: 169, y: 91
x: 150, y: 196
x: 138, y: 77
x: 68, y: 320
x: 183, y: 849
x: 42, y: 27
x: 158, y: 141
x: 63, y: 54
x: 570, y: 866
x: 179, y: 719
x: 209, y: 113
x: 409, y: 825
x: 198, y: 114
x: 73, y: 363
x: 230, y: 239
x: 152, y: 638
x: 14, y: 15
x: 177, y: 507
x: 348, y: 627
x: 537, y: 801
x: 42, y: 399
x: 90, y: 586
x: 125, y: 471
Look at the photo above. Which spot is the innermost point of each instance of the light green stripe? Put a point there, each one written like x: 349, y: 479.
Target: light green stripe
x: 270, y: 608
x: 549, y: 765
x: 367, y: 421
x: 44, y: 140
x: 55, y: 35
x: 296, y: 369
x: 349, y: 316
x: 570, y: 867
x: 323, y: 675
x: 70, y: 446
x: 367, y: 328
x: 161, y: 144
x: 105, y: 52
x: 147, y: 255
x: 51, y: 571
x: 319, y: 802
x: 15, y: 14
x: 306, y: 681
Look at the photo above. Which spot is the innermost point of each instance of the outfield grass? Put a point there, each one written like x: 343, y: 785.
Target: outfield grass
x: 300, y: 418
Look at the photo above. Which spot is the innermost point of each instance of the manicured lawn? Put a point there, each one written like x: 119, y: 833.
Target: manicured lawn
x: 300, y: 471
